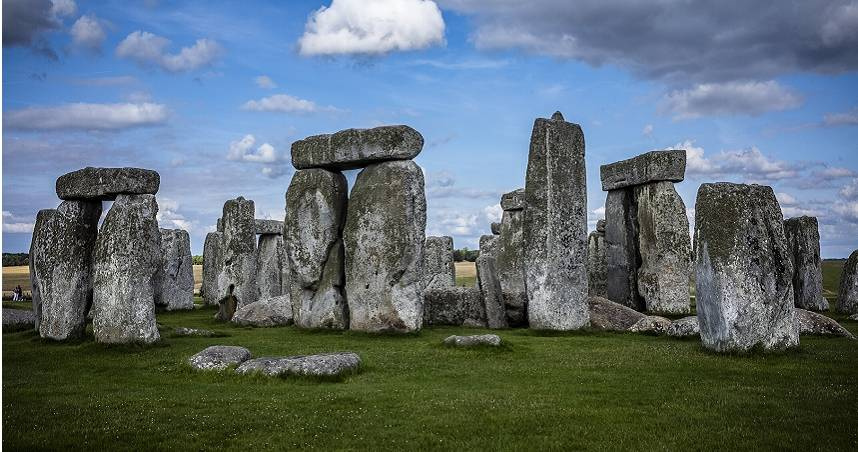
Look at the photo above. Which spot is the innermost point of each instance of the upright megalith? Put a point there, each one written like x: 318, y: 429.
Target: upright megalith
x: 621, y: 249
x: 487, y: 281
x: 439, y: 269
x: 384, y: 237
x: 664, y: 245
x: 509, y: 260
x: 356, y: 148
x: 175, y: 282
x: 597, y: 268
x: 555, y: 226
x: 62, y: 268
x: 269, y: 264
x: 104, y: 184
x: 39, y: 233
x: 236, y: 282
x: 847, y: 298
x: 802, y: 234
x: 212, y: 263
x: 744, y: 271
x: 315, y: 213
x: 126, y: 259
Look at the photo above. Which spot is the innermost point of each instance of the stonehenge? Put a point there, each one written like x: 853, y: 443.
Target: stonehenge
x: 104, y: 184
x: 847, y: 298
x: 236, y: 281
x: 647, y: 242
x: 356, y: 148
x: 509, y: 258
x: 802, y: 234
x: 175, y: 280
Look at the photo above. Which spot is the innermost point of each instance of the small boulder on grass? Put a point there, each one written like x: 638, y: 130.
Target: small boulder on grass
x: 607, y: 315
x: 651, y: 324
x: 219, y: 357
x: 491, y: 340
x: 324, y: 365
x: 819, y: 325
x: 274, y: 311
x: 684, y: 327
x: 182, y: 331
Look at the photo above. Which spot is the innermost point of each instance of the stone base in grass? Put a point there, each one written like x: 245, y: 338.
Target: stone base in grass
x: 325, y: 365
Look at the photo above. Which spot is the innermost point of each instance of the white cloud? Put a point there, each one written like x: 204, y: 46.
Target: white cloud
x: 242, y: 150
x: 14, y: 224
x: 372, y: 27
x: 848, y: 118
x: 786, y: 199
x: 63, y: 8
x: 647, y: 130
x: 848, y: 211
x: 493, y: 213
x: 169, y: 218
x: 148, y: 49
x: 750, y: 164
x: 87, y: 116
x: 284, y: 103
x: 850, y: 190
x: 87, y: 32
x: 599, y: 212
x: 731, y: 98
x: 264, y: 81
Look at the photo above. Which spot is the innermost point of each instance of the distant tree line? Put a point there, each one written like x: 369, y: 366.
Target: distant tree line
x: 15, y: 259
x: 465, y: 255
x: 198, y: 260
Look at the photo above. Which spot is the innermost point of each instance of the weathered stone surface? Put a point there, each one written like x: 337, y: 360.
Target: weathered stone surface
x: 103, y: 184
x: 651, y: 324
x: 384, y: 234
x: 610, y: 316
x: 219, y: 357
x: 126, y: 259
x: 744, y: 273
x: 63, y: 268
x: 267, y: 312
x: 664, y: 244
x: 236, y: 282
x: 819, y: 325
x: 18, y: 320
x: 496, y: 228
x: 439, y: 270
x: 454, y: 306
x: 219, y: 225
x: 621, y: 249
x: 600, y: 226
x: 274, y: 227
x: 212, y: 263
x: 654, y: 166
x: 39, y: 232
x: 555, y: 226
x: 802, y: 234
x: 597, y: 266
x: 489, y: 285
x: 847, y: 298
x: 854, y: 317
x: 357, y: 148
x: 513, y: 200
x: 509, y: 267
x: 684, y: 327
x: 193, y: 332
x: 326, y: 365
x: 269, y: 266
x: 491, y: 340
x: 315, y: 213
x: 175, y: 281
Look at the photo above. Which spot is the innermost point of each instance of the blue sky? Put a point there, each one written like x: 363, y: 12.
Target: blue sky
x: 212, y: 94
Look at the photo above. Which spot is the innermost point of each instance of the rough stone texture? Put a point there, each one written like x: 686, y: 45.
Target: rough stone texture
x: 847, y: 298
x: 326, y: 365
x: 509, y: 267
x: 651, y: 324
x: 439, y: 270
x: 513, y: 200
x: 212, y: 263
x: 492, y: 340
x: 744, y: 273
x: 664, y: 244
x: 496, y: 228
x: 126, y: 259
x: 453, y: 306
x: 175, y: 281
x: 610, y: 316
x: 39, y: 232
x: 219, y: 225
x: 819, y: 325
x: 266, y: 227
x: 600, y: 226
x: 62, y: 268
x: 219, y: 357
x: 854, y: 317
x: 315, y: 212
x: 103, y: 184
x: 802, y: 234
x: 236, y: 282
x: 18, y: 320
x: 269, y: 266
x: 193, y: 332
x: 684, y: 327
x: 268, y: 312
x: 597, y: 267
x: 555, y: 226
x: 489, y: 284
x: 357, y: 148
x: 653, y: 166
x: 621, y: 249
x: 384, y: 234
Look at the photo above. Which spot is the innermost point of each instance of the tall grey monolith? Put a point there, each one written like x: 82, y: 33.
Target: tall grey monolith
x: 597, y: 267
x: 802, y: 234
x: 621, y: 249
x: 175, y: 281
x: 39, y: 232
x: 439, y: 269
x: 269, y: 263
x: 509, y: 261
x: 847, y: 298
x: 212, y: 263
x: 236, y: 282
x: 487, y: 281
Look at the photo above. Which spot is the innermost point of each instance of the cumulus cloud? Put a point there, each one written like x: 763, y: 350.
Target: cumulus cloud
x: 850, y: 190
x: 647, y: 130
x: 264, y: 81
x: 149, y: 50
x: 731, y: 98
x: 493, y: 213
x: 15, y: 224
x: 86, y: 116
x: 440, y: 179
x: 284, y: 103
x: 847, y: 118
x: 243, y: 151
x: 169, y: 217
x: 87, y: 32
x: 25, y: 22
x: 749, y: 164
x: 372, y: 27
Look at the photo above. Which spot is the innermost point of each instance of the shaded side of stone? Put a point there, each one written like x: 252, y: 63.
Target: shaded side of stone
x: 212, y: 263
x: 802, y: 234
x: 847, y: 298
x: 597, y: 267
x: 39, y: 231
x: 509, y: 267
x: 621, y: 249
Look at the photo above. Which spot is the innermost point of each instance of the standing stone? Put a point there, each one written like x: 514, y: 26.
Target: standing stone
x: 597, y: 267
x: 212, y: 263
x: 439, y: 269
x: 509, y: 263
x: 664, y: 245
x: 847, y: 298
x: 269, y: 275
x: 176, y: 279
x: 555, y: 226
x: 744, y: 273
x: 126, y: 259
x: 488, y: 283
x: 356, y: 148
x: 621, y: 249
x: 315, y: 212
x: 62, y: 268
x: 384, y: 235
x: 104, y: 184
x: 802, y: 235
x: 236, y: 282
x: 39, y: 231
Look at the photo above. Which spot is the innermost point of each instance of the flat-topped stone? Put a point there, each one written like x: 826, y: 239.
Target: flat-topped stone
x: 219, y: 357
x: 492, y: 340
x: 653, y: 166
x: 325, y: 365
x: 357, y: 148
x: 268, y: 227
x: 513, y: 200
x: 105, y: 183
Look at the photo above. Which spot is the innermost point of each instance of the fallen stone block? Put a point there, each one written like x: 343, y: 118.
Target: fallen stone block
x: 325, y: 365
x: 651, y: 324
x: 684, y: 327
x: 607, y: 315
x: 491, y: 340
x: 819, y: 325
x: 193, y: 332
x: 219, y: 357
